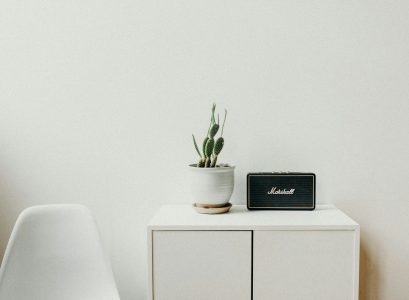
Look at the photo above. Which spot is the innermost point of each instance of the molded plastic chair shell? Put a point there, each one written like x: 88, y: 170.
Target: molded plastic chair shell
x: 55, y: 253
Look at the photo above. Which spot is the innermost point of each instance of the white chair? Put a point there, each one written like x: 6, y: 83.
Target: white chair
x: 55, y: 253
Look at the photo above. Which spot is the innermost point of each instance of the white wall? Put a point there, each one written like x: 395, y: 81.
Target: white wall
x: 99, y: 100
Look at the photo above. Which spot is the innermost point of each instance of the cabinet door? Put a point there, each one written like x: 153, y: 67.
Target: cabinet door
x: 304, y: 265
x: 202, y: 265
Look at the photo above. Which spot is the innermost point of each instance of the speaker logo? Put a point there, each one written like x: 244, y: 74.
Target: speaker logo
x: 275, y: 191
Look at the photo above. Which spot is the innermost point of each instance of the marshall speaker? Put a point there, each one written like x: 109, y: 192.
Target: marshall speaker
x: 283, y: 191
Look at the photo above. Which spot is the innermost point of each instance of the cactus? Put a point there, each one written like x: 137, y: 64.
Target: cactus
x: 213, y: 130
x: 204, y: 146
x: 197, y: 148
x: 211, y: 147
x: 201, y: 162
x: 218, y: 146
x: 209, y: 151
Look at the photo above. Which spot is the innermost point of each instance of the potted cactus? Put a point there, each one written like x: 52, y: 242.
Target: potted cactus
x: 212, y: 183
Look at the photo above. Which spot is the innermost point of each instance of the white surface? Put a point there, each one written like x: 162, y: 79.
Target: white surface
x: 202, y: 265
x: 307, y: 265
x: 211, y: 185
x: 55, y: 253
x: 99, y: 100
x: 184, y: 217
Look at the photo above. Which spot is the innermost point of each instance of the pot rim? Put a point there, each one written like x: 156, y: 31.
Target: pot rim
x: 216, y: 169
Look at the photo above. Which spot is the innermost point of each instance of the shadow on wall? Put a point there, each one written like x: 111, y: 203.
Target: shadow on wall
x: 368, y: 276
x: 9, y: 211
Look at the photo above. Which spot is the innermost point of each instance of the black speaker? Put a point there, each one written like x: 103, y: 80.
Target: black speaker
x: 281, y: 191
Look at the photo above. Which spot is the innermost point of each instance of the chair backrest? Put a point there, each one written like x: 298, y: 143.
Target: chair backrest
x: 55, y: 253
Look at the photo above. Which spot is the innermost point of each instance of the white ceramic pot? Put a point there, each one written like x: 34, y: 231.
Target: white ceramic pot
x: 211, y: 186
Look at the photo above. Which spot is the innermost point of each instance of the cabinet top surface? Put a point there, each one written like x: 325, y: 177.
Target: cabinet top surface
x: 184, y: 217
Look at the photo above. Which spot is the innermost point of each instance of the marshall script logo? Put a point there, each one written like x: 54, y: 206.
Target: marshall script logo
x: 274, y: 191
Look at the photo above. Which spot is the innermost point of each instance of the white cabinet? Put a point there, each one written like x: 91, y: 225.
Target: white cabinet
x: 202, y: 265
x: 305, y: 265
x: 259, y: 255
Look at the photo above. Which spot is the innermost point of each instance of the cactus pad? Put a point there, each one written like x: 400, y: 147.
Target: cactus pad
x: 218, y: 146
